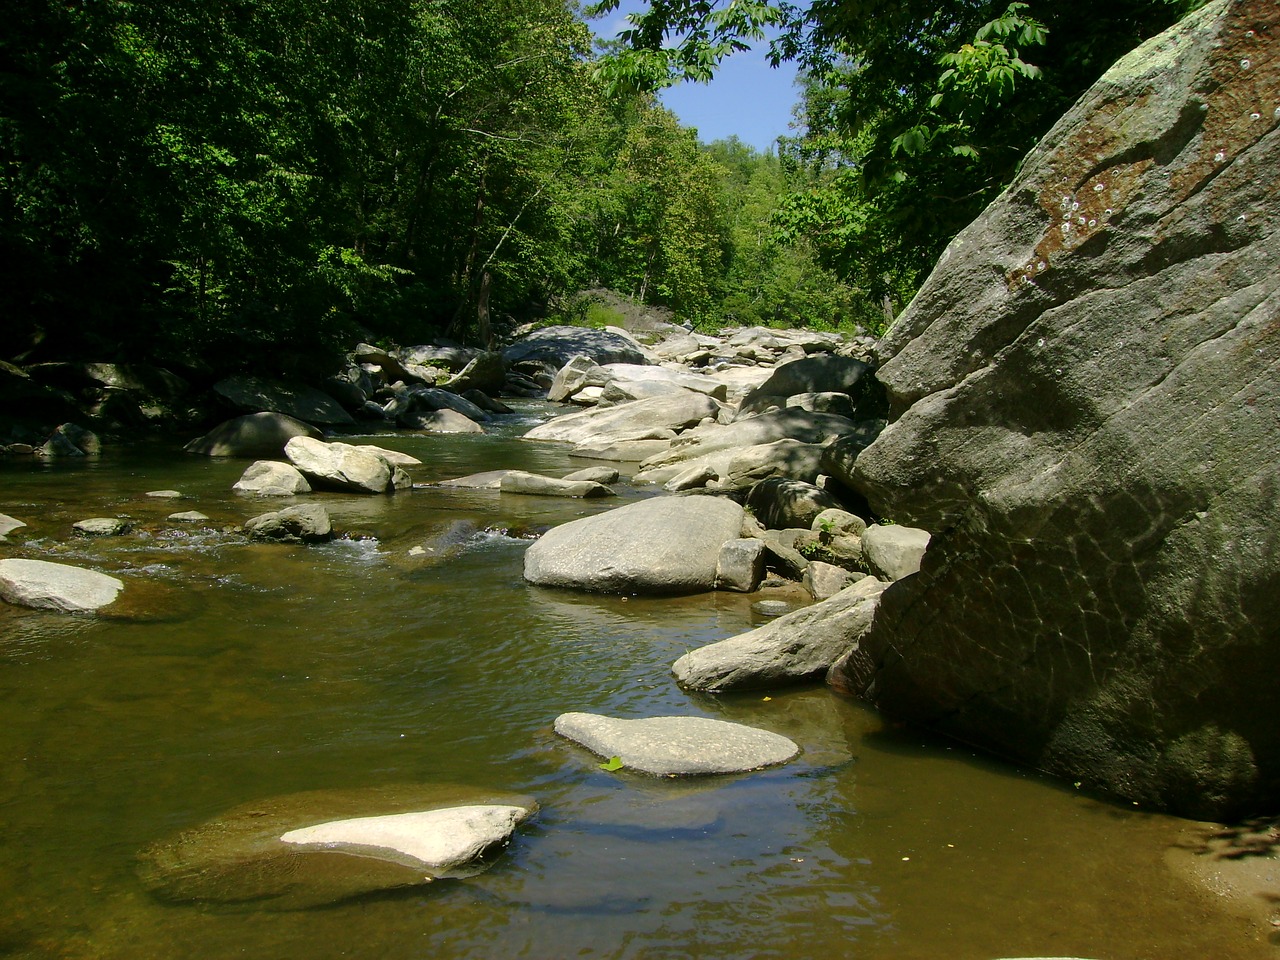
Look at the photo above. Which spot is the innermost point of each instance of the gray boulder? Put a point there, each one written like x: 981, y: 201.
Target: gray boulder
x: 8, y: 524
x: 824, y: 580
x: 1084, y: 413
x: 605, y: 475
x: 781, y: 504
x: 628, y: 421
x: 823, y: 373
x: 741, y: 565
x: 271, y: 478
x: 839, y: 456
x: 892, y: 551
x: 633, y: 373
x: 555, y: 346
x: 677, y: 746
x: 343, y: 466
x: 188, y: 516
x: 56, y: 586
x: 794, y: 648
x: 311, y: 849
x: 435, y: 398
x: 71, y: 440
x: 485, y: 372
x: 664, y: 545
x: 518, y: 481
x: 256, y: 394
x: 254, y: 435
x: 485, y: 402
x: 102, y: 527
x: 578, y: 373
x: 785, y: 459
x: 486, y: 480
x: 440, y: 421
x: 305, y: 523
x: 790, y: 424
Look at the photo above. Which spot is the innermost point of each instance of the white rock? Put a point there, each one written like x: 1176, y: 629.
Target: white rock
x: 677, y: 746
x: 438, y: 840
x: 56, y: 586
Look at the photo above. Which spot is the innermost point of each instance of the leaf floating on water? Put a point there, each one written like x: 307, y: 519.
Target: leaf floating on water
x: 612, y: 764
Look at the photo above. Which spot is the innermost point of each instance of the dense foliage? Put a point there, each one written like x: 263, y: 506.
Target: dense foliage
x: 209, y: 182
x: 186, y: 180
x: 915, y: 113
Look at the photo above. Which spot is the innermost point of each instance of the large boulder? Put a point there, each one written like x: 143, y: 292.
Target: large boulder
x: 304, y: 523
x: 255, y: 435
x: 256, y: 394
x: 779, y: 503
x: 342, y: 466
x: 1085, y: 414
x: 555, y: 346
x: 533, y: 484
x: 794, y: 648
x: 628, y: 421
x: 822, y: 373
x: 56, y: 586
x: 485, y: 372
x: 790, y: 424
x: 271, y: 478
x: 663, y: 545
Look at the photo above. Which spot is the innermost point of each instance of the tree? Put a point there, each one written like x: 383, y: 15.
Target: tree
x: 917, y: 112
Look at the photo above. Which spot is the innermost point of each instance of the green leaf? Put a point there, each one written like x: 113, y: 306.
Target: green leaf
x: 612, y: 764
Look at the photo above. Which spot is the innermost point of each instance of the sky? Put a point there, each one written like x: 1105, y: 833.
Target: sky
x: 747, y: 98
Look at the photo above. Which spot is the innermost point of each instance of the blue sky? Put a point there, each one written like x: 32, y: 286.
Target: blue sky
x: 747, y: 97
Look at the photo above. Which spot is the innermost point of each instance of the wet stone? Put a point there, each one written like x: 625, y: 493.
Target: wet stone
x: 102, y: 527
x: 677, y: 746
x: 311, y: 849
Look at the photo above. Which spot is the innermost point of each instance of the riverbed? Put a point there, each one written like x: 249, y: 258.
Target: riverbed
x: 235, y: 672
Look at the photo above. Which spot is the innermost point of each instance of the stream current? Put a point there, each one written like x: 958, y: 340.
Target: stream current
x: 238, y: 671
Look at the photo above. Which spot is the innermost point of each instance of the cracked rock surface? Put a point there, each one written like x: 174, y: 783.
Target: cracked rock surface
x: 1085, y: 413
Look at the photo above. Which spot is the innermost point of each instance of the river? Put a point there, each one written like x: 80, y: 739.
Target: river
x: 238, y: 671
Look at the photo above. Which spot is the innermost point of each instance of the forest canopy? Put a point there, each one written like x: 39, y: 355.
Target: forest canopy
x: 198, y: 180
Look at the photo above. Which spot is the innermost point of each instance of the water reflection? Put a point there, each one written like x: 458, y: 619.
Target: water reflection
x: 249, y: 671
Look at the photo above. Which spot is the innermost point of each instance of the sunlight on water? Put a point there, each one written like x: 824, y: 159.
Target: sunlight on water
x: 239, y: 672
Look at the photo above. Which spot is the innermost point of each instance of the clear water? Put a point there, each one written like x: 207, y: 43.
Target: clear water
x: 237, y: 672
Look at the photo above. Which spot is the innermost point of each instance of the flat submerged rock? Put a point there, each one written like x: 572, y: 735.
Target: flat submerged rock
x: 316, y: 848
x: 677, y: 746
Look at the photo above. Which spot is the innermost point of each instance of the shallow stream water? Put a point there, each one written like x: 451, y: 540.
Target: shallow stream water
x: 237, y: 672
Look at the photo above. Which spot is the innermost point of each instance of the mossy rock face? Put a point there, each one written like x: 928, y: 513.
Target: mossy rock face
x: 1083, y: 401
x: 310, y: 849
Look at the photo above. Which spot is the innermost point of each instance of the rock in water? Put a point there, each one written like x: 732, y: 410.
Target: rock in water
x: 436, y: 841
x: 56, y: 586
x: 257, y: 434
x: 316, y: 848
x: 677, y: 746
x: 1086, y: 414
x: 271, y: 478
x: 305, y: 523
x: 796, y: 647
x: 661, y: 545
x: 340, y: 465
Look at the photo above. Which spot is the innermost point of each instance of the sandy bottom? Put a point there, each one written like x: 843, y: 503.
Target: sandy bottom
x: 1238, y: 868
